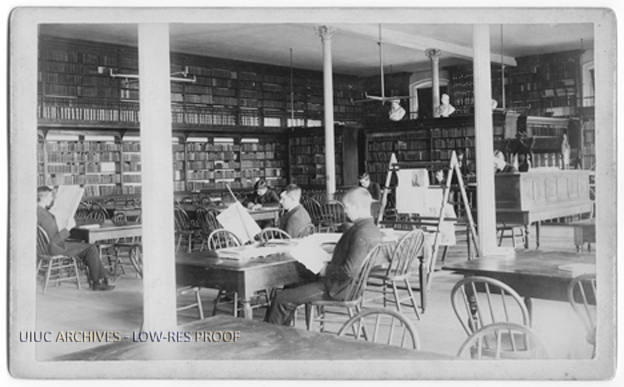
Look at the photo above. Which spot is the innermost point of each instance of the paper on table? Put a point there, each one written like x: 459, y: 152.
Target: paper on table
x: 310, y: 253
x: 579, y: 268
x: 90, y: 226
x: 253, y: 251
x: 237, y: 220
x: 66, y: 203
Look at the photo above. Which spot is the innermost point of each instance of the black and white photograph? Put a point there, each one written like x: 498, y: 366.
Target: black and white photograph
x: 310, y: 193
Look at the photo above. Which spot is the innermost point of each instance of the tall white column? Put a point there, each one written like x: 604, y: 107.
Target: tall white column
x: 486, y: 208
x: 326, y: 34
x: 22, y: 212
x: 434, y: 56
x: 159, y: 285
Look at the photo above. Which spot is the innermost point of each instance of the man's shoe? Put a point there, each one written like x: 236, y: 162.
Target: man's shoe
x: 102, y: 286
x: 111, y: 279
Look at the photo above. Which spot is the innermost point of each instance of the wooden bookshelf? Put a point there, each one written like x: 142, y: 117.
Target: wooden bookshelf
x: 113, y: 167
x: 461, y: 88
x: 423, y: 141
x: 588, y: 127
x: 307, y: 156
x: 75, y: 86
x: 547, y: 84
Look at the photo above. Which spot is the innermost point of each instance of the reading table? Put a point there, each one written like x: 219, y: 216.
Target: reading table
x: 92, y: 233
x: 245, y: 276
x: 532, y: 273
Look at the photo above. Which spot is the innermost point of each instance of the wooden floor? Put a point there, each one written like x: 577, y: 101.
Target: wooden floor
x: 65, y: 308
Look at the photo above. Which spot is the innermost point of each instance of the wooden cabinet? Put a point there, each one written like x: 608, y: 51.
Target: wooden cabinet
x: 538, y: 190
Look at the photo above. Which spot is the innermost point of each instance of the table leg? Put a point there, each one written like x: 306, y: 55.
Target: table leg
x: 537, y: 234
x: 423, y: 287
x: 247, y: 311
x: 527, y: 237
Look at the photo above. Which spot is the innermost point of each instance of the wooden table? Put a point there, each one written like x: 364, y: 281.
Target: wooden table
x: 106, y: 231
x: 527, y: 218
x: 533, y: 274
x: 584, y: 232
x: 255, y: 340
x: 511, y: 217
x: 264, y: 213
x: 246, y: 277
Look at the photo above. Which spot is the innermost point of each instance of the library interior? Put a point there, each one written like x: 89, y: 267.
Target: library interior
x: 329, y: 191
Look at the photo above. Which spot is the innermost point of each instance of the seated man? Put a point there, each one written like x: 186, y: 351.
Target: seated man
x: 88, y: 253
x: 296, y: 217
x: 373, y: 188
x: 263, y: 196
x: 345, y: 264
x: 500, y: 165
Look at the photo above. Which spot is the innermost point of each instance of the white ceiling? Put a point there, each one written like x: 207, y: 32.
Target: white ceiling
x: 354, y: 46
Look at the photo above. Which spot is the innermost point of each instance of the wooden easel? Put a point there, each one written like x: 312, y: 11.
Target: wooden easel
x: 428, y: 267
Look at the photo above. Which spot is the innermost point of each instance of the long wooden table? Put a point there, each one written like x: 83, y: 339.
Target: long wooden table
x: 533, y: 274
x: 246, y: 277
x: 106, y: 231
x: 241, y: 339
x: 264, y: 213
x: 538, y: 215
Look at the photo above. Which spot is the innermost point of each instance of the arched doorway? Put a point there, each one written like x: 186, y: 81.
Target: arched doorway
x: 421, y: 93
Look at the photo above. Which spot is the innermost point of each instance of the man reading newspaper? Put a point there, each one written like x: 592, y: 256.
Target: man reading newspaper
x: 98, y: 276
x: 347, y: 258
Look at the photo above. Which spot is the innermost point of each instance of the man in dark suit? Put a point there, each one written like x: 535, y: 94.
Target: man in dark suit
x: 373, y: 188
x: 98, y: 276
x: 296, y: 217
x: 345, y: 264
x: 500, y: 165
x: 263, y: 196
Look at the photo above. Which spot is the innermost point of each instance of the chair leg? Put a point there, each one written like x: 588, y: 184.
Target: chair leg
x: 502, y: 234
x: 412, y: 298
x: 216, y: 303
x: 309, y: 315
x: 384, y: 289
x: 47, y: 277
x: 444, y: 252
x: 76, y: 272
x: 397, y: 299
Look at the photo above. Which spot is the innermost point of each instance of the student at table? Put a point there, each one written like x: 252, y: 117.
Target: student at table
x: 373, y: 188
x: 351, y: 249
x: 296, y: 217
x: 500, y: 165
x: 263, y: 196
x: 98, y: 276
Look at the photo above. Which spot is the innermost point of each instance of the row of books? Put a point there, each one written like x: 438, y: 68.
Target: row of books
x: 82, y: 157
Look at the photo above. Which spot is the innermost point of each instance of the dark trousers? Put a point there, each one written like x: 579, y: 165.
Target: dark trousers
x: 91, y: 257
x: 286, y: 301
